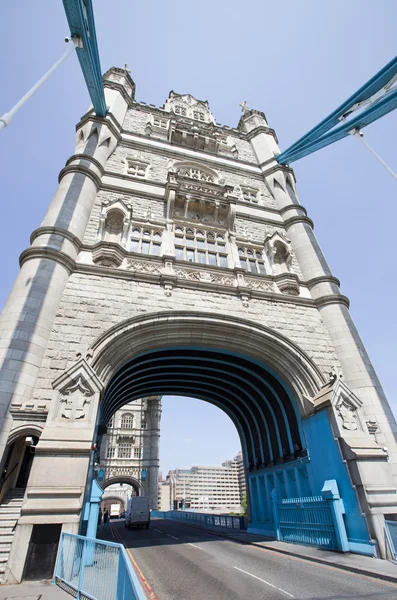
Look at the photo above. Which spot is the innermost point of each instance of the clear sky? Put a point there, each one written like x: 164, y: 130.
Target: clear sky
x: 296, y: 61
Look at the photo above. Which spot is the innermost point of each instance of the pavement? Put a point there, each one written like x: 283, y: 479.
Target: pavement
x: 33, y: 590
x: 175, y: 561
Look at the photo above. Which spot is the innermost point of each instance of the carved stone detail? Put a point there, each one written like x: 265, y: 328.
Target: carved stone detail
x: 107, y: 256
x: 74, y: 400
x: 204, y: 276
x: 257, y: 284
x: 144, y: 266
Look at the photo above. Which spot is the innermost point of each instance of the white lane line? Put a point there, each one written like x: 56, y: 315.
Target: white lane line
x: 173, y: 537
x: 194, y: 546
x: 158, y: 530
x: 267, y: 583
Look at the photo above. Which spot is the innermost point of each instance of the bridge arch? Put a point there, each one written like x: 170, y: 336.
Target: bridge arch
x: 132, y: 481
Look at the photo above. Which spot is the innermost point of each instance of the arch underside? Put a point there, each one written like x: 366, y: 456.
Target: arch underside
x: 134, y: 483
x: 266, y: 417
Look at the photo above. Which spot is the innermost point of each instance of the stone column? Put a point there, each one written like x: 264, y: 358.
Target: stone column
x: 28, y: 316
x: 369, y: 470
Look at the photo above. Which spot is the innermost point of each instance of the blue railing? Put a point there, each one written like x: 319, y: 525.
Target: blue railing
x: 307, y: 521
x: 391, y: 531
x: 90, y: 569
x: 204, y: 520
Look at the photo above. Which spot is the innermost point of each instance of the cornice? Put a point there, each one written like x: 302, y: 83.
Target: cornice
x: 293, y: 207
x: 261, y: 129
x: 113, y: 85
x: 87, y: 157
x: 322, y: 279
x: 49, y: 254
x: 56, y: 231
x: 115, y: 127
x: 80, y: 169
x: 332, y: 299
x: 169, y: 150
x: 298, y: 219
x: 278, y: 167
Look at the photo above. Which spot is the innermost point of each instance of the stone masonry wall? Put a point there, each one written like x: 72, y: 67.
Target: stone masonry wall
x: 92, y: 304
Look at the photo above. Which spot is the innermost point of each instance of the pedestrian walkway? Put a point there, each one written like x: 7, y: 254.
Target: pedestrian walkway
x: 364, y: 565
x: 33, y: 590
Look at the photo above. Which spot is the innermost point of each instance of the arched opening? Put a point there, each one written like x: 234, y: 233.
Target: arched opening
x: 114, y: 226
x: 18, y: 460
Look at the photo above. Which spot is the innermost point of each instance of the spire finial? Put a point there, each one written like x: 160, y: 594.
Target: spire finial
x: 127, y: 69
x: 244, y: 107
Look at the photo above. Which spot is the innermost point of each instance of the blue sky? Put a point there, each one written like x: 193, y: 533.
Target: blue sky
x: 296, y: 61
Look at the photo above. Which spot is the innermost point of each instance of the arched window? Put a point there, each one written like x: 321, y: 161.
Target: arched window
x: 110, y: 452
x: 114, y: 226
x: 146, y: 241
x: 127, y: 421
x: 110, y: 423
x: 200, y: 246
x: 252, y: 260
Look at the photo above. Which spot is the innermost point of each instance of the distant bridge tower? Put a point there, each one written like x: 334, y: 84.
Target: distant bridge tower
x: 175, y: 258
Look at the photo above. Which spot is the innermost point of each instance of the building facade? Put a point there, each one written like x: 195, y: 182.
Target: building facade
x: 217, y: 489
x: 129, y: 452
x: 175, y: 258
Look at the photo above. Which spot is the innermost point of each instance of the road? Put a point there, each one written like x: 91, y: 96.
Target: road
x: 180, y: 562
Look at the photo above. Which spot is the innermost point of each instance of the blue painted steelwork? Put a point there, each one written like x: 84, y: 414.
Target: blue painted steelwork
x: 203, y: 519
x: 377, y: 94
x: 391, y: 532
x: 80, y: 16
x: 95, y: 569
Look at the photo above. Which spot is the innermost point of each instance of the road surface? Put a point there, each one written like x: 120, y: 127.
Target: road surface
x: 180, y: 562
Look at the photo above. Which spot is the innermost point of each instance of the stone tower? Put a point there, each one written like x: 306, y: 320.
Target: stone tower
x: 176, y: 258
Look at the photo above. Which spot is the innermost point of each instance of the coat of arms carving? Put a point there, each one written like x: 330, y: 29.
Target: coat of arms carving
x: 75, y: 400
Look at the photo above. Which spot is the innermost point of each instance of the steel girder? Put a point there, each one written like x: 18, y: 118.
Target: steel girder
x: 374, y: 99
x: 80, y: 16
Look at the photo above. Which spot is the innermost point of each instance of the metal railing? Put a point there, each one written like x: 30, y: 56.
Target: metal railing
x: 307, y: 521
x: 391, y: 532
x: 205, y: 520
x: 90, y: 569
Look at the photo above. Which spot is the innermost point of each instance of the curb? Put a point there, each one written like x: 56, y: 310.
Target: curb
x: 351, y: 568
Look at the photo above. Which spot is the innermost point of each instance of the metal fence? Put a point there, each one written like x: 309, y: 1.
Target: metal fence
x: 205, y: 520
x: 391, y: 531
x: 90, y: 569
x: 307, y: 521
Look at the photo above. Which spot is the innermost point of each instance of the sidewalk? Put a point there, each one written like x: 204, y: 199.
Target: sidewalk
x: 364, y: 565
x: 33, y: 590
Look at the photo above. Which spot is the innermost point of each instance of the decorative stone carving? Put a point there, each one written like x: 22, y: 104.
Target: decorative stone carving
x: 348, y: 415
x: 204, y: 276
x: 260, y: 285
x: 279, y: 251
x: 372, y: 427
x: 288, y: 284
x: 75, y: 400
x: 107, y: 256
x: 76, y: 395
x: 144, y: 266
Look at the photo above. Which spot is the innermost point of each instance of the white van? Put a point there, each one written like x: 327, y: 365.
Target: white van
x: 138, y: 513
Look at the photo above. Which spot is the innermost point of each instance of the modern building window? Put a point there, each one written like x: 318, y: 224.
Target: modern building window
x: 127, y: 421
x: 146, y: 241
x: 137, y: 452
x: 251, y: 260
x: 200, y: 246
x: 124, y: 450
x: 110, y: 452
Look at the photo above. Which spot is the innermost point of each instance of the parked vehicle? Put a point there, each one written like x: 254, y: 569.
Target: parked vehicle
x: 138, y: 513
x: 114, y: 511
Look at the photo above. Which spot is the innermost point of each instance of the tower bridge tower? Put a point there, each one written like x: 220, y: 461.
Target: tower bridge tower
x: 175, y: 258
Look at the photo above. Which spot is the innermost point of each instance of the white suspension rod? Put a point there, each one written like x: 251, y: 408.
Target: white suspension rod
x: 8, y: 116
x: 360, y: 136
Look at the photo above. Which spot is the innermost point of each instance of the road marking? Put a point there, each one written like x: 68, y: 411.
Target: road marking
x: 264, y: 581
x: 141, y: 576
x: 158, y: 530
x: 173, y: 537
x: 194, y: 546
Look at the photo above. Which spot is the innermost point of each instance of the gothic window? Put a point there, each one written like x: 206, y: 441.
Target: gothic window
x: 114, y: 226
x: 144, y: 424
x: 137, y: 452
x: 160, y: 122
x: 250, y: 195
x: 124, y: 450
x: 146, y: 241
x: 200, y: 246
x: 180, y: 110
x: 251, y: 260
x: 110, y: 423
x: 198, y: 115
x: 127, y: 421
x: 136, y: 167
x: 110, y: 452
